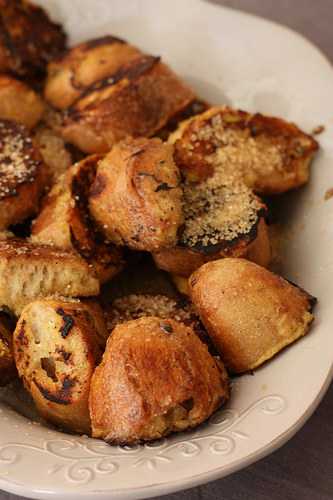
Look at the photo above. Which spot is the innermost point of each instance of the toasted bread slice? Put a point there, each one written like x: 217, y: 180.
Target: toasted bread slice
x: 270, y: 154
x: 70, y: 75
x: 19, y: 103
x: 28, y: 38
x: 22, y: 174
x: 29, y: 271
x: 53, y: 150
x: 249, y: 312
x: 136, y: 197
x: 136, y: 101
x: 156, y: 377
x: 7, y: 364
x: 222, y: 218
x: 56, y: 349
x: 65, y: 221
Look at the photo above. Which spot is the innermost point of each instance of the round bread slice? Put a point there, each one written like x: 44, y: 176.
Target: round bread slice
x: 65, y: 221
x: 70, y: 75
x: 56, y: 349
x: 136, y: 101
x: 222, y: 217
x: 136, y: 197
x: 156, y: 377
x: 270, y: 154
x: 249, y: 312
x: 19, y: 103
x: 22, y: 174
x: 28, y: 39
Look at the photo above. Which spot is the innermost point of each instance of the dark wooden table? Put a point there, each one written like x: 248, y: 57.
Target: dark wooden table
x: 303, y: 468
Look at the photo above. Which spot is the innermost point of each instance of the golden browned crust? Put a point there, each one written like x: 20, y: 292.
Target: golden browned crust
x: 19, y: 103
x: 7, y: 365
x: 56, y: 349
x: 53, y: 150
x: 136, y: 197
x: 156, y: 377
x: 249, y: 312
x: 22, y: 174
x: 65, y: 221
x: 28, y: 38
x: 136, y: 101
x: 81, y: 66
x: 29, y: 271
x: 182, y: 261
x: 270, y: 154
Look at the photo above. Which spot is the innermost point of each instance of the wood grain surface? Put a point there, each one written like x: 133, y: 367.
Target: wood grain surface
x: 303, y: 468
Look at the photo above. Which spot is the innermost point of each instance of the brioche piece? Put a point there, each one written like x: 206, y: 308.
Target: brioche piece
x: 28, y: 38
x: 22, y: 174
x: 222, y: 218
x: 136, y: 101
x: 7, y: 365
x: 19, y: 103
x: 72, y: 74
x: 53, y: 150
x: 181, y: 283
x: 29, y: 271
x: 136, y: 197
x: 270, y: 154
x: 156, y: 377
x: 56, y: 349
x: 249, y: 312
x: 65, y: 222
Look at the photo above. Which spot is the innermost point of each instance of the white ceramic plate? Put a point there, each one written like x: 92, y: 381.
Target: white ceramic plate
x: 254, y: 64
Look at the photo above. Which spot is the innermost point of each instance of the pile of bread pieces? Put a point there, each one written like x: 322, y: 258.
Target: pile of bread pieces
x: 106, y: 153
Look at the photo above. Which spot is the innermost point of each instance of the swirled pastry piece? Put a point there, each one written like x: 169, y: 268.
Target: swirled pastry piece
x: 29, y: 271
x: 70, y: 75
x: 136, y: 197
x: 138, y: 100
x: 65, y: 221
x: 156, y: 377
x: 222, y: 217
x: 28, y: 38
x: 19, y: 103
x: 249, y: 312
x: 270, y: 154
x: 22, y: 174
x: 56, y: 349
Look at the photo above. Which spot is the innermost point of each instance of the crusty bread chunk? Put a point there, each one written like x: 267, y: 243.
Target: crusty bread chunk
x: 7, y: 365
x: 28, y: 38
x: 70, y: 75
x: 29, y: 271
x: 270, y: 154
x: 65, y: 221
x: 136, y: 197
x: 249, y: 312
x: 56, y: 348
x: 156, y: 377
x: 22, y: 174
x: 138, y: 101
x: 19, y: 103
x: 222, y: 218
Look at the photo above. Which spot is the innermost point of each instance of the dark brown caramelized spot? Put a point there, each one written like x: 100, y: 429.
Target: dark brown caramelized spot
x: 62, y: 396
x: 99, y: 42
x: 68, y: 322
x: 19, y: 160
x: 31, y: 39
